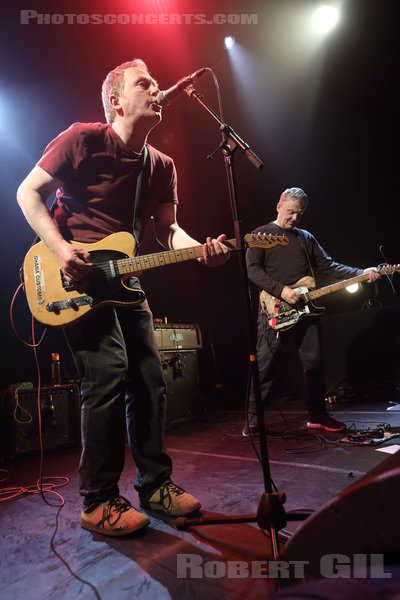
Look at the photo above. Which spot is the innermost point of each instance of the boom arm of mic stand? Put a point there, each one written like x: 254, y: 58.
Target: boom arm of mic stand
x: 231, y: 137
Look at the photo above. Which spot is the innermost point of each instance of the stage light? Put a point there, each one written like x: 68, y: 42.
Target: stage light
x: 229, y: 42
x: 352, y: 289
x: 325, y: 18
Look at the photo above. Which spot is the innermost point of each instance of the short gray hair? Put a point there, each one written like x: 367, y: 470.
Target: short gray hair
x: 114, y: 84
x: 295, y: 193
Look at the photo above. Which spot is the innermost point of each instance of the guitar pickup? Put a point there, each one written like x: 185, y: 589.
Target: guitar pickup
x: 72, y: 303
x: 66, y: 282
x: 304, y: 297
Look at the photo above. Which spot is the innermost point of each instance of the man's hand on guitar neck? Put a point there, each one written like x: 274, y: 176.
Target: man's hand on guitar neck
x: 215, y: 254
x: 289, y: 295
x: 373, y: 273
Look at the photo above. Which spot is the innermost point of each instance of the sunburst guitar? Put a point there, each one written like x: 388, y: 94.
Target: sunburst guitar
x: 282, y: 316
x: 56, y: 301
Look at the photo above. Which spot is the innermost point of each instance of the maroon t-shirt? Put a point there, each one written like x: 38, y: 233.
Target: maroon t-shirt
x: 99, y: 174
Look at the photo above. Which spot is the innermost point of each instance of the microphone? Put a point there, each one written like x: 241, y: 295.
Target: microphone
x: 167, y: 96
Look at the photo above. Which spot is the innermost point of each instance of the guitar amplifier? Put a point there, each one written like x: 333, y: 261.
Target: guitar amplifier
x: 177, y: 337
x: 60, y: 416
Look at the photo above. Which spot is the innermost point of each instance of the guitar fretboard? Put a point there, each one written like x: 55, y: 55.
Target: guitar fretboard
x: 158, y: 259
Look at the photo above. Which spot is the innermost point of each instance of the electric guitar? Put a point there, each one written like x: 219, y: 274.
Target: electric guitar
x: 57, y: 301
x: 282, y: 316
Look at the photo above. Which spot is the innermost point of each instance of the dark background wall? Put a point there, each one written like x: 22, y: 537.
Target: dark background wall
x: 322, y: 116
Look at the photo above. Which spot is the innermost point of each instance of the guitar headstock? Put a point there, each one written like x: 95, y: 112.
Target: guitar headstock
x: 388, y: 269
x: 265, y: 240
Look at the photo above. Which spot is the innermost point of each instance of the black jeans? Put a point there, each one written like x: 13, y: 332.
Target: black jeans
x: 273, y: 349
x: 122, y: 391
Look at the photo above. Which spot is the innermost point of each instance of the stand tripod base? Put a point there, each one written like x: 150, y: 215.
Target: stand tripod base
x: 270, y: 516
x: 185, y: 523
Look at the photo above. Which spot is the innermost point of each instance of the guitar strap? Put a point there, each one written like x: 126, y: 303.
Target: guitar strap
x: 303, y: 245
x: 139, y: 197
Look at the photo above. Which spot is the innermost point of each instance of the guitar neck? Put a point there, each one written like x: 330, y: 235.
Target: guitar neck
x: 335, y: 287
x: 340, y: 285
x: 138, y: 264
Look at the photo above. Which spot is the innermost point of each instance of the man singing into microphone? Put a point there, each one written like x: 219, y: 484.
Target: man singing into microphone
x: 100, y: 172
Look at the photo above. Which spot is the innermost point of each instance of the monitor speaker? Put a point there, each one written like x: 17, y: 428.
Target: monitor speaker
x: 363, y: 519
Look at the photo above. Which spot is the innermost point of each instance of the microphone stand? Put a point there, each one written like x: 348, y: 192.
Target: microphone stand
x: 271, y: 513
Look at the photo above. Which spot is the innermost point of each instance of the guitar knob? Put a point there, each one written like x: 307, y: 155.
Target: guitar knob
x: 72, y: 303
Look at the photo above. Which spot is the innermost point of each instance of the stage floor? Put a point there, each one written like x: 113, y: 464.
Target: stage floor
x: 214, y: 462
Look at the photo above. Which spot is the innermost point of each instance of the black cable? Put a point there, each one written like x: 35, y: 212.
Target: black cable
x: 65, y: 563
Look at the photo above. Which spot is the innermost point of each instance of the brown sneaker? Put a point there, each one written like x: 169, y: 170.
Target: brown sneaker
x: 114, y: 517
x: 172, y: 500
x: 327, y: 423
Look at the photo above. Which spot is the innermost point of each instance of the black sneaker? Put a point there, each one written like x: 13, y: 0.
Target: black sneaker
x: 327, y: 423
x: 250, y: 426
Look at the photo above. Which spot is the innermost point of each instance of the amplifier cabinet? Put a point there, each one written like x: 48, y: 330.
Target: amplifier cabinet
x: 181, y: 376
x: 60, y: 415
x: 177, y: 337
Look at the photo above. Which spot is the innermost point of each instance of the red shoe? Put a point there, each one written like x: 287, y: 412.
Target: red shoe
x: 250, y: 427
x: 327, y: 423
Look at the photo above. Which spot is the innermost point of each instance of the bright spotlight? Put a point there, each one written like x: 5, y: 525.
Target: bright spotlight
x: 229, y: 42
x: 325, y: 18
x: 352, y: 289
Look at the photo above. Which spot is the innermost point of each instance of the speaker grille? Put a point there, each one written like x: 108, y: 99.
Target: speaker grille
x: 60, y: 416
x: 181, y: 376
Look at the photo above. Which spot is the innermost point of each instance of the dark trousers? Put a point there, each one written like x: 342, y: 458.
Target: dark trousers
x: 273, y: 349
x: 122, y: 391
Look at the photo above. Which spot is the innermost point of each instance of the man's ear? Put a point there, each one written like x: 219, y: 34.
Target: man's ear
x: 114, y: 101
